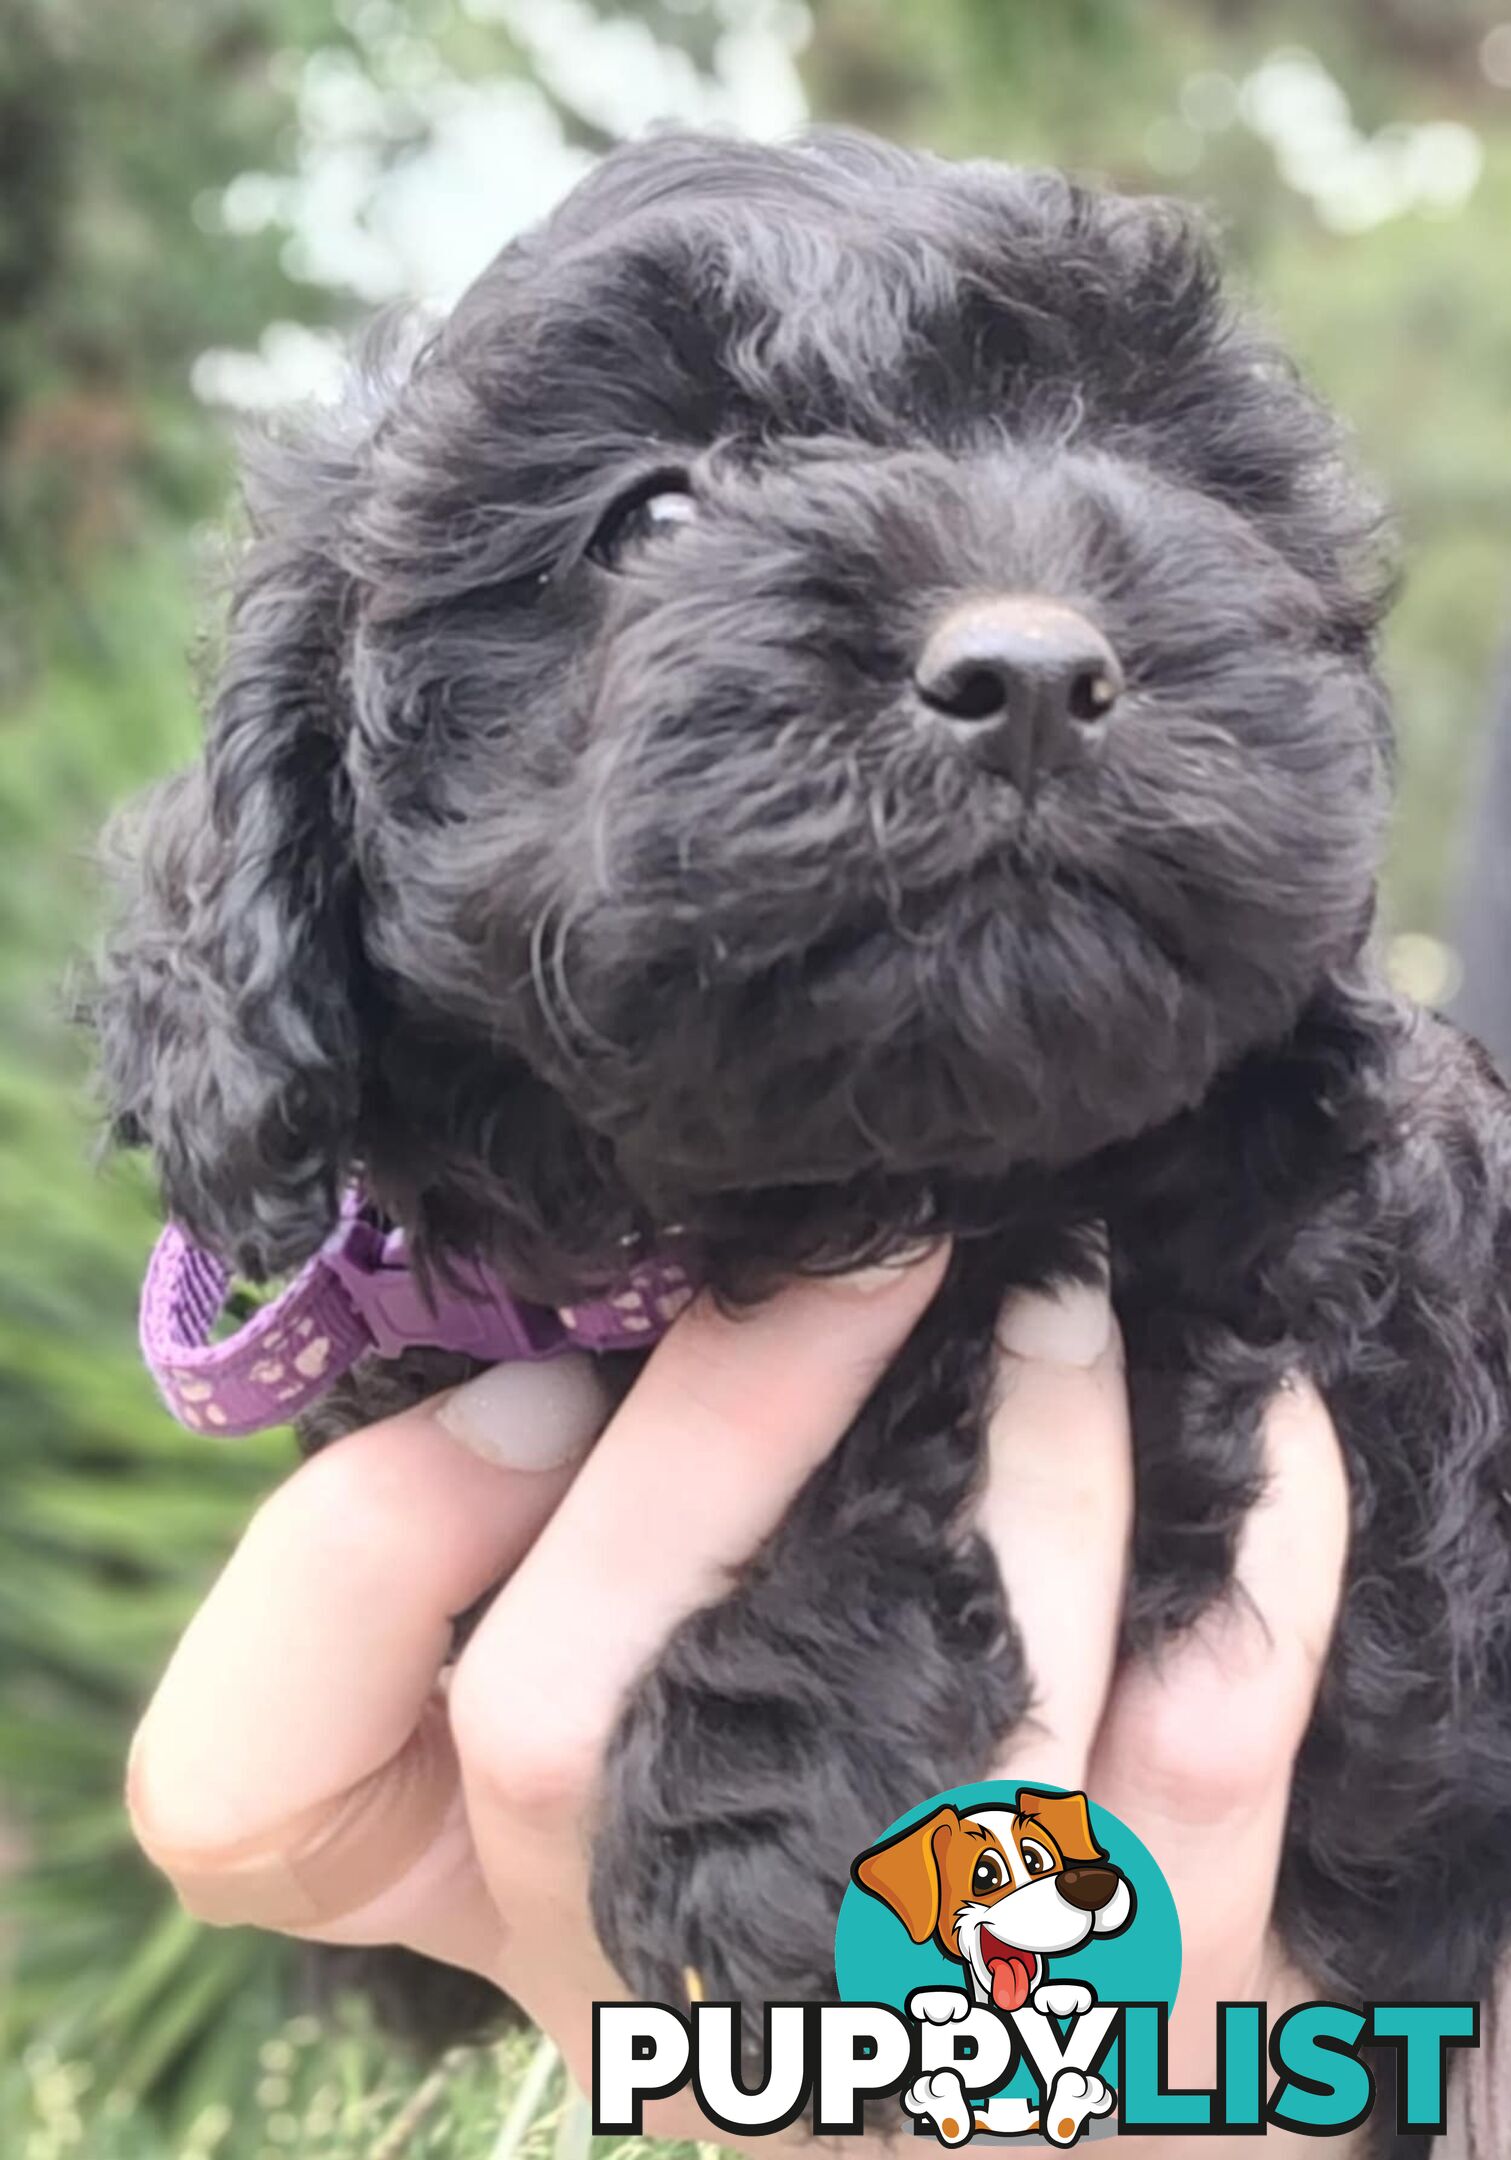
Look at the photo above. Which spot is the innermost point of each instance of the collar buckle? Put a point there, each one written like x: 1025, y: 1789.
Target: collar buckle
x: 474, y: 1315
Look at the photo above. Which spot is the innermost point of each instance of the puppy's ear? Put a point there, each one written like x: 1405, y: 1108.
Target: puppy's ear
x: 1065, y: 1817
x: 906, y: 1872
x: 225, y: 1006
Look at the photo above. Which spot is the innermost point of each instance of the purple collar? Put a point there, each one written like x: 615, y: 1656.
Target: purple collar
x: 358, y: 1294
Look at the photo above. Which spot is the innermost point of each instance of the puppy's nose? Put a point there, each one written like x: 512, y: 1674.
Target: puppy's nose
x: 1087, y: 1888
x: 1018, y: 680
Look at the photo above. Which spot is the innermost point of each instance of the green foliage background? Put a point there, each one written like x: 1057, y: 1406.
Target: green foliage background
x: 124, y: 2030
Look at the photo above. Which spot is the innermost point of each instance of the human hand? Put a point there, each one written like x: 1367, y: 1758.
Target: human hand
x: 1194, y: 1750
x: 299, y: 1768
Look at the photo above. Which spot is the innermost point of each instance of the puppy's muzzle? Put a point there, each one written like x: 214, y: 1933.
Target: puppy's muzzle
x: 1018, y: 681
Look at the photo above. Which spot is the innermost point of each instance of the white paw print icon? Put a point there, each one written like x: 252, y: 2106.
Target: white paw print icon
x: 1075, y: 2098
x: 940, y: 2098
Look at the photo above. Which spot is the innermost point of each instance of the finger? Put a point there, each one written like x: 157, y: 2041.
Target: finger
x: 1197, y: 1750
x: 727, y: 1421
x: 288, y: 1760
x: 1057, y: 1511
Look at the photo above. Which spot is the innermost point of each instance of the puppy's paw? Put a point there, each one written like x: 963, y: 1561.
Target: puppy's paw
x: 940, y: 2098
x: 1063, y: 1998
x: 938, y: 2006
x: 1075, y: 2098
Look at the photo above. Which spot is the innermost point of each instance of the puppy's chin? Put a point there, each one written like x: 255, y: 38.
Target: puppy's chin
x: 1021, y: 1029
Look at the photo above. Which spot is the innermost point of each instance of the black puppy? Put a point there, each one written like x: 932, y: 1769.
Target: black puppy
x: 834, y: 701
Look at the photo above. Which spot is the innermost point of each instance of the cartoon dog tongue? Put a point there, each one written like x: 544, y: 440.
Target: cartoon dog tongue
x: 1011, y: 1975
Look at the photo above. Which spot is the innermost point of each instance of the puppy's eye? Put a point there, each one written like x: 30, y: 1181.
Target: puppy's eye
x: 1035, y: 1858
x: 652, y: 506
x: 988, y: 1875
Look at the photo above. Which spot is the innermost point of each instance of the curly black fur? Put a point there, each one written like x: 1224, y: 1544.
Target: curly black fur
x: 570, y: 905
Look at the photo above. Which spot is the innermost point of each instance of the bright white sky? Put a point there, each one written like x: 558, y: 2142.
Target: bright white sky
x: 420, y: 228
x: 498, y: 161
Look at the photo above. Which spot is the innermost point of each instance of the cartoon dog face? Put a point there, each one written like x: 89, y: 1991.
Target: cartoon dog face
x: 1001, y: 1889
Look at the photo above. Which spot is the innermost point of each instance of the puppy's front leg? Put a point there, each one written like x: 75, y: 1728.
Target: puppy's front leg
x: 1198, y: 1411
x: 863, y: 1662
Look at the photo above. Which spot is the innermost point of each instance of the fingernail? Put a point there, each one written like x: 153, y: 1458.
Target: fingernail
x: 529, y: 1417
x: 886, y: 1275
x: 1068, y: 1326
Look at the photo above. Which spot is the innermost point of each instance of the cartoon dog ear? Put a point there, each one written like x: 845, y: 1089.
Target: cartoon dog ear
x: 905, y: 1871
x: 1065, y: 1817
x: 224, y: 1007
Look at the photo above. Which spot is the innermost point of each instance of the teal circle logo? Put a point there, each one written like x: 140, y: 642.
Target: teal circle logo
x: 1004, y: 1901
